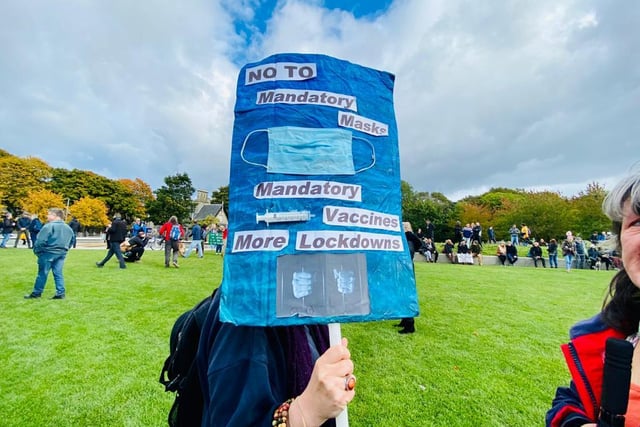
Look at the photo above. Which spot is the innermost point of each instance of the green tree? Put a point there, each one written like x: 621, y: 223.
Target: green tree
x: 545, y: 213
x: 221, y: 195
x: 76, y: 184
x: 173, y: 198
x: 418, y: 207
x: 142, y: 194
x: 586, y: 211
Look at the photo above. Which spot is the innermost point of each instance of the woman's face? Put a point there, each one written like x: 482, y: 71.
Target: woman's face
x: 630, y: 242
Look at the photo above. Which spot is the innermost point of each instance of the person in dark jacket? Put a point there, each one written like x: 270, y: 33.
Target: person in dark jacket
x: 536, y: 254
x: 457, y: 232
x: 579, y: 403
x: 593, y: 256
x: 51, y: 247
x: 34, y: 227
x: 492, y: 235
x: 249, y: 374
x: 196, y: 240
x: 429, y: 230
x: 512, y: 253
x: 7, y: 228
x: 75, y: 226
x: 414, y: 243
x: 135, y: 247
x: 116, y: 234
x: 552, y: 250
x: 447, y: 250
x: 22, y: 227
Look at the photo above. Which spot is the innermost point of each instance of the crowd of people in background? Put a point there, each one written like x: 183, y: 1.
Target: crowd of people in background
x: 466, y: 247
x: 52, y: 241
x: 131, y: 241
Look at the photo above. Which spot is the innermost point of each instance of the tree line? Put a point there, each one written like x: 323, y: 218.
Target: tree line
x: 548, y: 214
x: 30, y: 185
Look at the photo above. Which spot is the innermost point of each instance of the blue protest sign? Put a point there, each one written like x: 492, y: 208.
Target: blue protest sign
x: 315, y: 227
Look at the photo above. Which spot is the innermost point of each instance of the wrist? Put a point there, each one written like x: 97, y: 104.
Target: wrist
x: 305, y: 413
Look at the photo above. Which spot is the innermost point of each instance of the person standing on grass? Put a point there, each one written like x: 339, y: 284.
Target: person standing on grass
x: 552, y: 249
x: 75, y: 226
x: 429, y: 230
x: 476, y: 232
x: 225, y: 235
x: 34, y: 228
x: 116, y: 234
x: 492, y: 235
x: 581, y: 254
x: 196, y: 240
x: 568, y: 250
x: 514, y: 232
x: 51, y: 247
x: 457, y: 232
x: 579, y: 403
x: 215, y: 239
x: 525, y: 233
x: 7, y: 228
x: 22, y: 226
x: 171, y: 244
x: 414, y: 243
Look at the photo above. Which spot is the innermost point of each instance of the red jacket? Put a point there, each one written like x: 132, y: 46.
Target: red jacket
x: 165, y: 230
x: 584, y: 354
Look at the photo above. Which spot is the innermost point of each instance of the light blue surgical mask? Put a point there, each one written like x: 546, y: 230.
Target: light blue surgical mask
x: 309, y: 151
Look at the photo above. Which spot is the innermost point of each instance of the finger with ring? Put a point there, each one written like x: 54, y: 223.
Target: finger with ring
x: 349, y: 382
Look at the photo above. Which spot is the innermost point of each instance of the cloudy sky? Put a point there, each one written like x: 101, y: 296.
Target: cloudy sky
x: 518, y: 94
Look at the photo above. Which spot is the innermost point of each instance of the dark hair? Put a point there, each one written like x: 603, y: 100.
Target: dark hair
x: 621, y: 307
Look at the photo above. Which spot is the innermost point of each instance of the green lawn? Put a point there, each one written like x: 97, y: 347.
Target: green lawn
x: 486, y: 351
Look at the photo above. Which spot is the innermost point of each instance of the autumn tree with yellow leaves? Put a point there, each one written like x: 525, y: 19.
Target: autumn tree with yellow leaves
x: 39, y: 201
x: 19, y: 176
x: 90, y: 212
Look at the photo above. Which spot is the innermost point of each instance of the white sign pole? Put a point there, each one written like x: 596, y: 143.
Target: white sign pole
x: 335, y: 338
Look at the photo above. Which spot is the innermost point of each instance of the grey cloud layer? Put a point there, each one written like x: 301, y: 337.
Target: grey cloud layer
x: 539, y: 94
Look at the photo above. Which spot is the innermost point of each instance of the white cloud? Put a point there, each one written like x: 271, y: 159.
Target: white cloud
x: 519, y: 95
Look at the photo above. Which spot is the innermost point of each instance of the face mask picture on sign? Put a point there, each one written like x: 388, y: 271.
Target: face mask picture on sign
x: 310, y: 151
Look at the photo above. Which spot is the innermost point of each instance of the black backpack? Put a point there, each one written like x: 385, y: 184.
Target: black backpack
x: 180, y: 372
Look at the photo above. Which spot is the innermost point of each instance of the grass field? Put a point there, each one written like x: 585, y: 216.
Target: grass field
x: 486, y: 351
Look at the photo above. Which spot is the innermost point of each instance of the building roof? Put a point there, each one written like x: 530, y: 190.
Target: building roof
x: 206, y: 210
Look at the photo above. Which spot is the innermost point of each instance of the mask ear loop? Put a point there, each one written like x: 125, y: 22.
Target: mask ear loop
x: 373, y: 154
x: 246, y: 138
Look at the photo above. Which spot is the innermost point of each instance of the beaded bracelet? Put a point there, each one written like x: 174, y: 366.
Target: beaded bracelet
x: 281, y: 415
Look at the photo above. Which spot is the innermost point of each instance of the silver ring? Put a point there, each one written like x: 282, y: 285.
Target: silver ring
x: 349, y: 382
